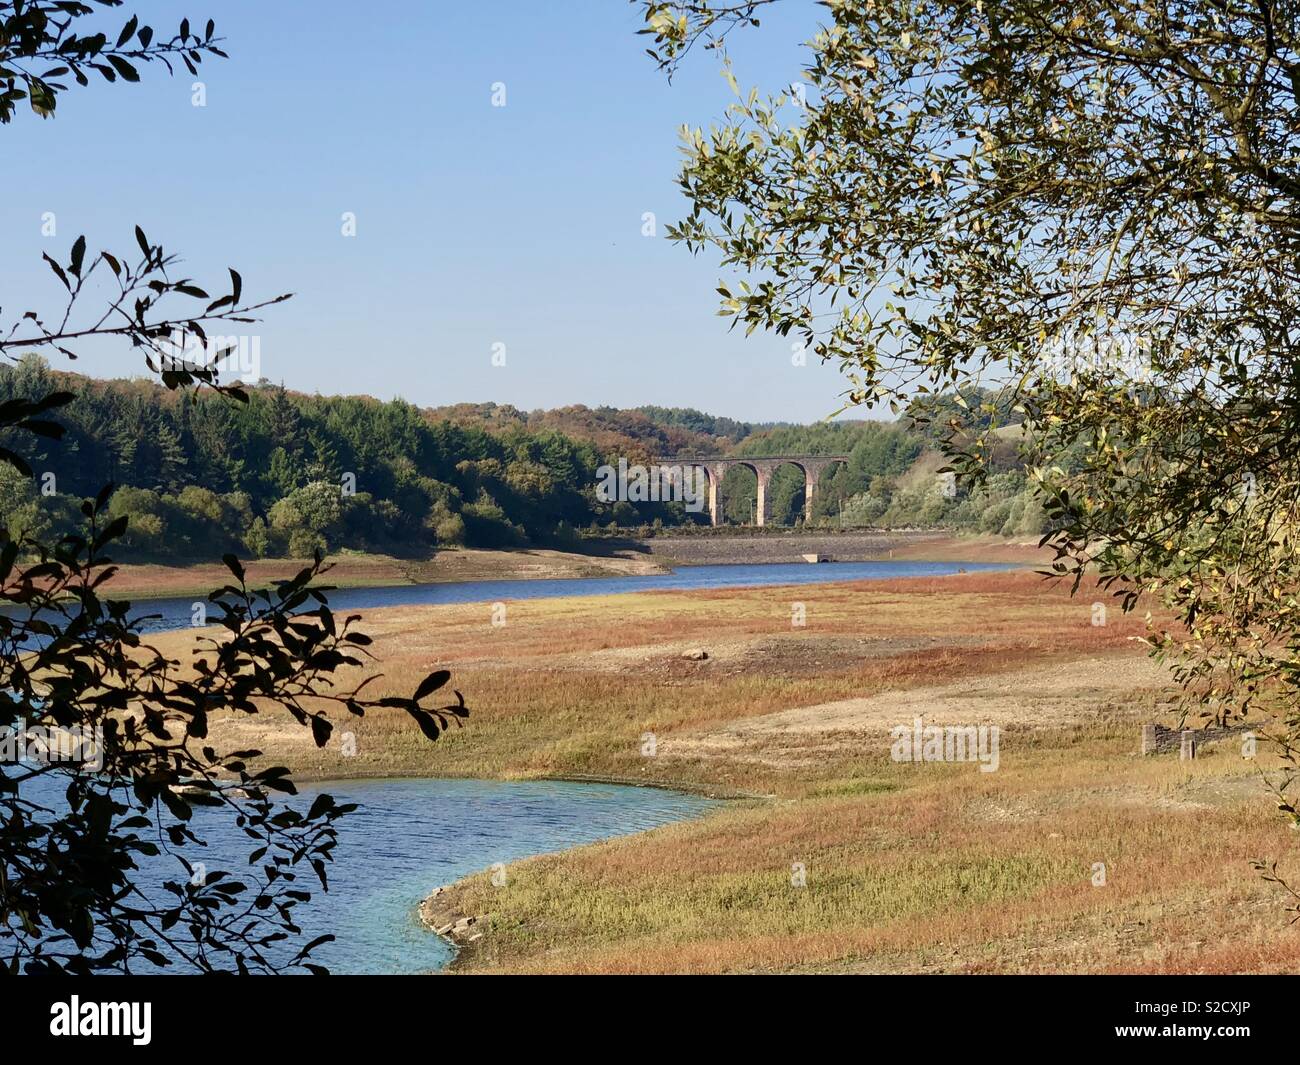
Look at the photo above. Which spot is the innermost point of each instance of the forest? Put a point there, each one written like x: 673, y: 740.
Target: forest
x: 286, y: 473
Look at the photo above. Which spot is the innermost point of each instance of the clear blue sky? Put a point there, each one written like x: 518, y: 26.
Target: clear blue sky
x: 476, y: 225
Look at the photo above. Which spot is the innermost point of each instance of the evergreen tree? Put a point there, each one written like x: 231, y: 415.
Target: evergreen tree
x: 172, y: 460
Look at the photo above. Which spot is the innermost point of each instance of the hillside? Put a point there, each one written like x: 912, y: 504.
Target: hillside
x: 288, y: 473
x: 645, y: 432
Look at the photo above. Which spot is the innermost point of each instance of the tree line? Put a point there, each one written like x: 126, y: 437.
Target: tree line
x: 286, y: 474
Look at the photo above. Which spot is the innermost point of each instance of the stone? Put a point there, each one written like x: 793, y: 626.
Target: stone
x: 697, y: 655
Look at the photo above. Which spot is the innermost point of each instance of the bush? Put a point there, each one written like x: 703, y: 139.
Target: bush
x: 450, y: 530
x: 307, y: 516
x: 995, y: 516
x: 144, y: 511
x: 486, y: 525
x: 258, y: 538
x: 303, y: 543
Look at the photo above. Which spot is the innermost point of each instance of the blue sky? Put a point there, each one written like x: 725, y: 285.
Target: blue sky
x: 476, y: 225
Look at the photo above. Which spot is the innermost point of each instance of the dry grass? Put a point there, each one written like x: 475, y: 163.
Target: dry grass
x: 569, y: 686
x: 909, y: 867
x: 923, y: 869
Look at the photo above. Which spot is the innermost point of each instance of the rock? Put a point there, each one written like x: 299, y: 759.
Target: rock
x: 444, y: 930
x: 465, y: 923
x: 697, y: 655
x: 476, y: 935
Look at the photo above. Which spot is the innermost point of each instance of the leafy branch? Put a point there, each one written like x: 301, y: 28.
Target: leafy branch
x: 135, y: 312
x: 36, y: 34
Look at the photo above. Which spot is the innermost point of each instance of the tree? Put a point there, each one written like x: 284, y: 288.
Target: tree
x: 20, y: 510
x: 130, y: 723
x: 1091, y: 209
x: 171, y: 460
x: 286, y: 422
x: 308, y: 518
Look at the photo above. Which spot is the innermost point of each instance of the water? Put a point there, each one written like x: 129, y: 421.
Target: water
x: 411, y: 836
x: 175, y: 613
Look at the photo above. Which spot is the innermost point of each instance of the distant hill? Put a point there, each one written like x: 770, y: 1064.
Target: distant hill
x: 643, y: 431
x: 288, y: 473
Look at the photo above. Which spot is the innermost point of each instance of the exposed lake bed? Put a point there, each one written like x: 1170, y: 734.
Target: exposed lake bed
x: 410, y: 836
x: 802, y: 675
x: 600, y: 557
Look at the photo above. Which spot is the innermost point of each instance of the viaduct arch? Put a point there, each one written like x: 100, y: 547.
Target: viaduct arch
x: 715, y: 468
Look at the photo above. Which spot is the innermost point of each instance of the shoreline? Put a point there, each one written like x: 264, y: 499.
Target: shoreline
x: 651, y: 556
x: 148, y: 580
x: 684, y: 787
x: 446, y: 922
x: 462, y: 931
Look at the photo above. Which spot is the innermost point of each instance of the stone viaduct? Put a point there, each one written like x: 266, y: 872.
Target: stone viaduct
x: 715, y: 468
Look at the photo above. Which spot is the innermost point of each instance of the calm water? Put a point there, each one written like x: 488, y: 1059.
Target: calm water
x: 175, y: 613
x: 410, y: 836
